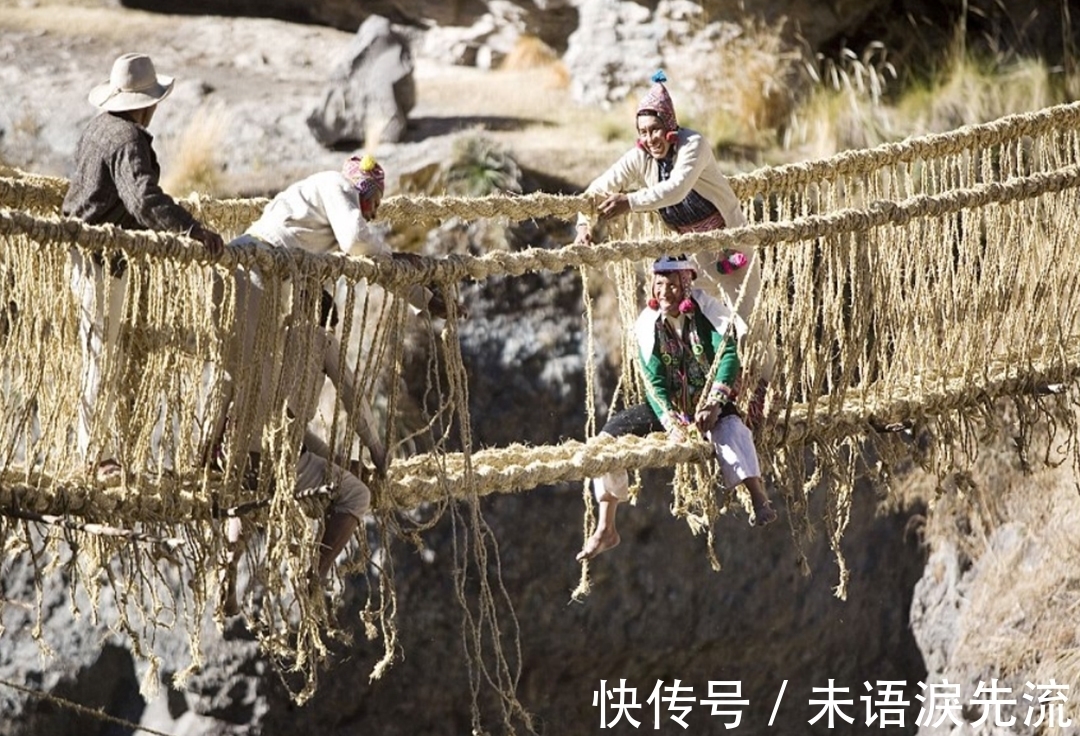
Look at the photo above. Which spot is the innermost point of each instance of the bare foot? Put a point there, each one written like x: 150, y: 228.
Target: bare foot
x: 764, y: 513
x: 601, y: 541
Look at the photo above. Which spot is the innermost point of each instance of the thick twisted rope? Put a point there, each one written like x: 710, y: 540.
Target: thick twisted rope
x: 1055, y: 121
x: 397, y: 274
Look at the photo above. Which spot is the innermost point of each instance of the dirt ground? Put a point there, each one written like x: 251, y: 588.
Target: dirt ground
x: 266, y: 75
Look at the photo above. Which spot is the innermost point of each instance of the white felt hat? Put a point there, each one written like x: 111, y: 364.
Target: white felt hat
x: 133, y: 85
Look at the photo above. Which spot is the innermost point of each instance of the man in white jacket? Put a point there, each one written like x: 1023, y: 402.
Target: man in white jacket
x: 323, y: 213
x: 672, y: 171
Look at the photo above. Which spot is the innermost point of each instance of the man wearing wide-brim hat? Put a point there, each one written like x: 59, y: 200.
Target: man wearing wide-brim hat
x: 116, y: 181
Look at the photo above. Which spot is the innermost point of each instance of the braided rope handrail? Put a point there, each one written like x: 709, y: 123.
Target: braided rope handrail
x: 862, y: 161
x: 428, y: 478
x: 460, y: 267
x: 892, y: 285
x: 519, y: 468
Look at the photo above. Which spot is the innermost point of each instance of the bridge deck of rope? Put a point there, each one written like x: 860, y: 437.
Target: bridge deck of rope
x: 432, y: 477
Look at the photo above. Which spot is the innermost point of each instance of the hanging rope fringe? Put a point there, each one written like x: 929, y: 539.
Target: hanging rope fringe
x: 908, y: 291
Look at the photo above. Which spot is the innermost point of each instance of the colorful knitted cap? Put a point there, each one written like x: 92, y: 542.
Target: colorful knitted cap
x: 365, y: 174
x: 658, y: 102
x: 667, y: 265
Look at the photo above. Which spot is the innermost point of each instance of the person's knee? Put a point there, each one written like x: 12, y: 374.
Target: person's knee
x: 614, y: 486
x: 353, y: 497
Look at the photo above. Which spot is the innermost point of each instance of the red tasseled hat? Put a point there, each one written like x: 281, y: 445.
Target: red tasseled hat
x: 658, y: 102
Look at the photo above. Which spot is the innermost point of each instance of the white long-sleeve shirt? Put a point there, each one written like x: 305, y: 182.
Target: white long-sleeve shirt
x: 695, y: 168
x: 319, y: 214
x: 638, y: 174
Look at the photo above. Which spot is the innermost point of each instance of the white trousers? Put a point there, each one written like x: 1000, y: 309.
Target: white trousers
x: 100, y: 300
x: 734, y: 446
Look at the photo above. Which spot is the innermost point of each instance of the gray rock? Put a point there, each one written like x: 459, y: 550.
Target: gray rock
x: 371, y: 91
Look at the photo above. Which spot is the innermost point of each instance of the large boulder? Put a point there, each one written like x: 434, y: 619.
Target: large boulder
x: 371, y: 90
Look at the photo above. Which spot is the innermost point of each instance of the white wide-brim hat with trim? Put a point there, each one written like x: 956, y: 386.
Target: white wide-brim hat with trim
x: 133, y: 85
x: 668, y: 264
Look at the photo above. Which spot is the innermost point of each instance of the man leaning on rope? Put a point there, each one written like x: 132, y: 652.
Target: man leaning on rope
x: 116, y: 182
x: 326, y: 212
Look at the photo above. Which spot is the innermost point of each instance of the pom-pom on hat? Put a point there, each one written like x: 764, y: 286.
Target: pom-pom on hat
x: 658, y: 102
x: 365, y: 174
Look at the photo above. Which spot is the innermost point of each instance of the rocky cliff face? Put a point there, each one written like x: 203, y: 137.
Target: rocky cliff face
x: 988, y: 602
x: 1023, y: 24
x: 994, y: 607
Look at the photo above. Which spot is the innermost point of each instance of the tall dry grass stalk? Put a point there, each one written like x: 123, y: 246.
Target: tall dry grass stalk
x: 843, y: 109
x: 861, y: 100
x: 970, y: 91
x: 1070, y: 55
x: 195, y: 156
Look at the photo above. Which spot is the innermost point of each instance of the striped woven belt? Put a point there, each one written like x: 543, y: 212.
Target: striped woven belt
x: 715, y: 221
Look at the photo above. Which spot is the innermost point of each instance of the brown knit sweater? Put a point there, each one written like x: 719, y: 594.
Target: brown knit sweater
x: 116, y: 179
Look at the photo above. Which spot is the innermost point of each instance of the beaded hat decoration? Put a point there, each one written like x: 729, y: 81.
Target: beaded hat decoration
x: 658, y: 102
x: 365, y: 174
x: 665, y: 264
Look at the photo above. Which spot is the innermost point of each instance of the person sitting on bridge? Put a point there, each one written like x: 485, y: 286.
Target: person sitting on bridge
x: 680, y: 334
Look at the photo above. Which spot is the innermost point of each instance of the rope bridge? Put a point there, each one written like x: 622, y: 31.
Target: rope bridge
x: 917, y: 285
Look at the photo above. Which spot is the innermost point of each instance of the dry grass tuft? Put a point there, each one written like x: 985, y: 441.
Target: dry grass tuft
x: 742, y: 93
x: 856, y: 101
x: 195, y: 155
x: 529, y: 52
x: 481, y: 167
x: 971, y: 91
